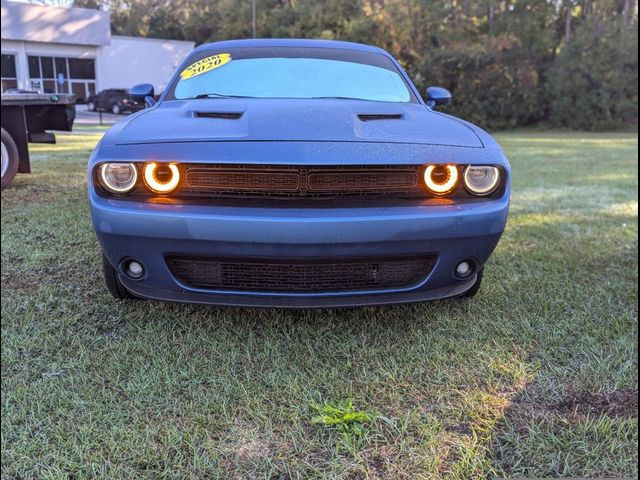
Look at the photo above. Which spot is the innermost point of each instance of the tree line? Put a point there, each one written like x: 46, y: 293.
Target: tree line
x: 509, y: 63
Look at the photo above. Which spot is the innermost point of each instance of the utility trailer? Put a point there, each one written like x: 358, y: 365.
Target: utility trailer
x: 26, y: 117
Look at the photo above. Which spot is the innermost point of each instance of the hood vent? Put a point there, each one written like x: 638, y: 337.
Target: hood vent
x: 366, y: 117
x: 221, y: 115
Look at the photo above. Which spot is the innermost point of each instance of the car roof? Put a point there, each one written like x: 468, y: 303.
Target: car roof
x: 290, y: 42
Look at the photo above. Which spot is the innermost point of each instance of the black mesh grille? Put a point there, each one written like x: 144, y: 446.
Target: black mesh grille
x: 365, y: 117
x: 299, y: 276
x: 223, y: 180
x: 361, y: 180
x: 222, y: 115
x: 301, y: 182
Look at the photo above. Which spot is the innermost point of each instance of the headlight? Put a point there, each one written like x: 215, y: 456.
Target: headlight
x: 161, y: 177
x: 441, y: 179
x: 481, y: 180
x: 118, y: 177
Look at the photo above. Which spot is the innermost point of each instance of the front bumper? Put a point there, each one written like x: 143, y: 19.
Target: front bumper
x: 151, y: 231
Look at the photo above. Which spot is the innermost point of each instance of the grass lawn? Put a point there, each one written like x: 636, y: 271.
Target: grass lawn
x: 536, y: 376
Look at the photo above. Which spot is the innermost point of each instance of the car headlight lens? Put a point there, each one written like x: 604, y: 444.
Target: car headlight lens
x: 118, y: 177
x: 481, y: 180
x: 161, y: 177
x: 441, y: 179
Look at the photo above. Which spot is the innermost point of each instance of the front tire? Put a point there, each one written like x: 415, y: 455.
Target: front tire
x: 10, y: 159
x: 116, y: 109
x: 114, y: 285
x: 476, y: 286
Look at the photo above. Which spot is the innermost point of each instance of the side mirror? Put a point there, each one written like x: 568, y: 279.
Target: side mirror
x: 142, y: 92
x: 438, y: 97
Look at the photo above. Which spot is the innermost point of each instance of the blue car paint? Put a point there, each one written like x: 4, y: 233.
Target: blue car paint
x: 297, y: 120
x: 297, y: 132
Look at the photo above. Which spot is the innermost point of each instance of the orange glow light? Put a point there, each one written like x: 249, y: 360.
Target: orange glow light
x: 161, y: 185
x: 441, y: 179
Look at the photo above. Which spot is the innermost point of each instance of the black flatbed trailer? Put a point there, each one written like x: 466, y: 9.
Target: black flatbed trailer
x: 26, y: 117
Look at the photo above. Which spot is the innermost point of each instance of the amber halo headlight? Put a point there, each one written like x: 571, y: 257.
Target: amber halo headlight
x: 118, y: 177
x: 481, y: 180
x: 441, y: 179
x: 161, y: 177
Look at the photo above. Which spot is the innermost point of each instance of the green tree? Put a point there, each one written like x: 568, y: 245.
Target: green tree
x: 509, y: 63
x: 593, y: 83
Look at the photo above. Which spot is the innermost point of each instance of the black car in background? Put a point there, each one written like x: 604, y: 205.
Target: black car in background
x: 114, y: 100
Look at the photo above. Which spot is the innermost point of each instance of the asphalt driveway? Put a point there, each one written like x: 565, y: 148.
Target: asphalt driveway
x: 85, y: 117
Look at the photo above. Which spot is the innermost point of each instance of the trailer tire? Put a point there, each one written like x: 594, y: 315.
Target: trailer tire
x: 10, y: 159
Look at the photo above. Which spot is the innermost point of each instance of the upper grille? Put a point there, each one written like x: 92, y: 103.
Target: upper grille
x: 301, y: 182
x: 229, y: 179
x: 299, y: 276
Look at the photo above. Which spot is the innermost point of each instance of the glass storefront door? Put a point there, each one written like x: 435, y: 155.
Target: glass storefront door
x: 63, y: 75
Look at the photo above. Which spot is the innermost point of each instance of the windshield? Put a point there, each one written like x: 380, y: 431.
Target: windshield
x: 287, y: 72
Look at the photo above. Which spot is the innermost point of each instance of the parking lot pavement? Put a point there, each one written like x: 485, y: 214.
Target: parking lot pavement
x: 85, y: 117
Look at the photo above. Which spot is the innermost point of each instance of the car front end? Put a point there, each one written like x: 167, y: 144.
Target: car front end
x: 294, y: 202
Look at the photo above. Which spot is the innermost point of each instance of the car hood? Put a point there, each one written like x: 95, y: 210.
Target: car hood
x: 224, y: 120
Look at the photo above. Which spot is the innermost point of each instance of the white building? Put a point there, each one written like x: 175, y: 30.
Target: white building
x: 71, y: 50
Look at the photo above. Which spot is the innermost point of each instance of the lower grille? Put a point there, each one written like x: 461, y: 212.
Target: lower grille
x: 299, y: 276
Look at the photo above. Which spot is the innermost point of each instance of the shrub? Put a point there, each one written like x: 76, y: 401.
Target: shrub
x: 593, y: 83
x: 493, y: 83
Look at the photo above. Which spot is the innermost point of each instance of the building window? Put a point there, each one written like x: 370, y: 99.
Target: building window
x: 8, y: 68
x: 34, y: 67
x: 47, y: 67
x: 61, y: 67
x: 82, y: 68
x: 63, y: 75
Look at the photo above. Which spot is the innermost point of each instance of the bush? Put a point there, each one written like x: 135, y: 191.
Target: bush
x: 593, y: 83
x: 493, y: 83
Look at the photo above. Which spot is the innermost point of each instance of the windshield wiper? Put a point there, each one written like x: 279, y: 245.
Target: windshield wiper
x: 337, y: 98
x: 219, y: 95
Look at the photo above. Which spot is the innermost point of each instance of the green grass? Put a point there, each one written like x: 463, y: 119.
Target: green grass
x: 537, y: 376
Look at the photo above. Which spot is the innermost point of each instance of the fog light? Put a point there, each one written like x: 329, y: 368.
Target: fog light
x: 134, y: 269
x: 464, y: 269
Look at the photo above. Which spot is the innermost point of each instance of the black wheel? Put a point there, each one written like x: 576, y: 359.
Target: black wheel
x: 476, y: 286
x: 116, y: 109
x: 114, y: 284
x: 10, y: 159
x: 91, y: 107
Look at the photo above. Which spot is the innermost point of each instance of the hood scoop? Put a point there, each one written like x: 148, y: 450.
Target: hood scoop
x: 221, y: 115
x: 367, y: 117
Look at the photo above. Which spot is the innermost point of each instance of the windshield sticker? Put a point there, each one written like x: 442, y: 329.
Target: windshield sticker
x: 205, y: 65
